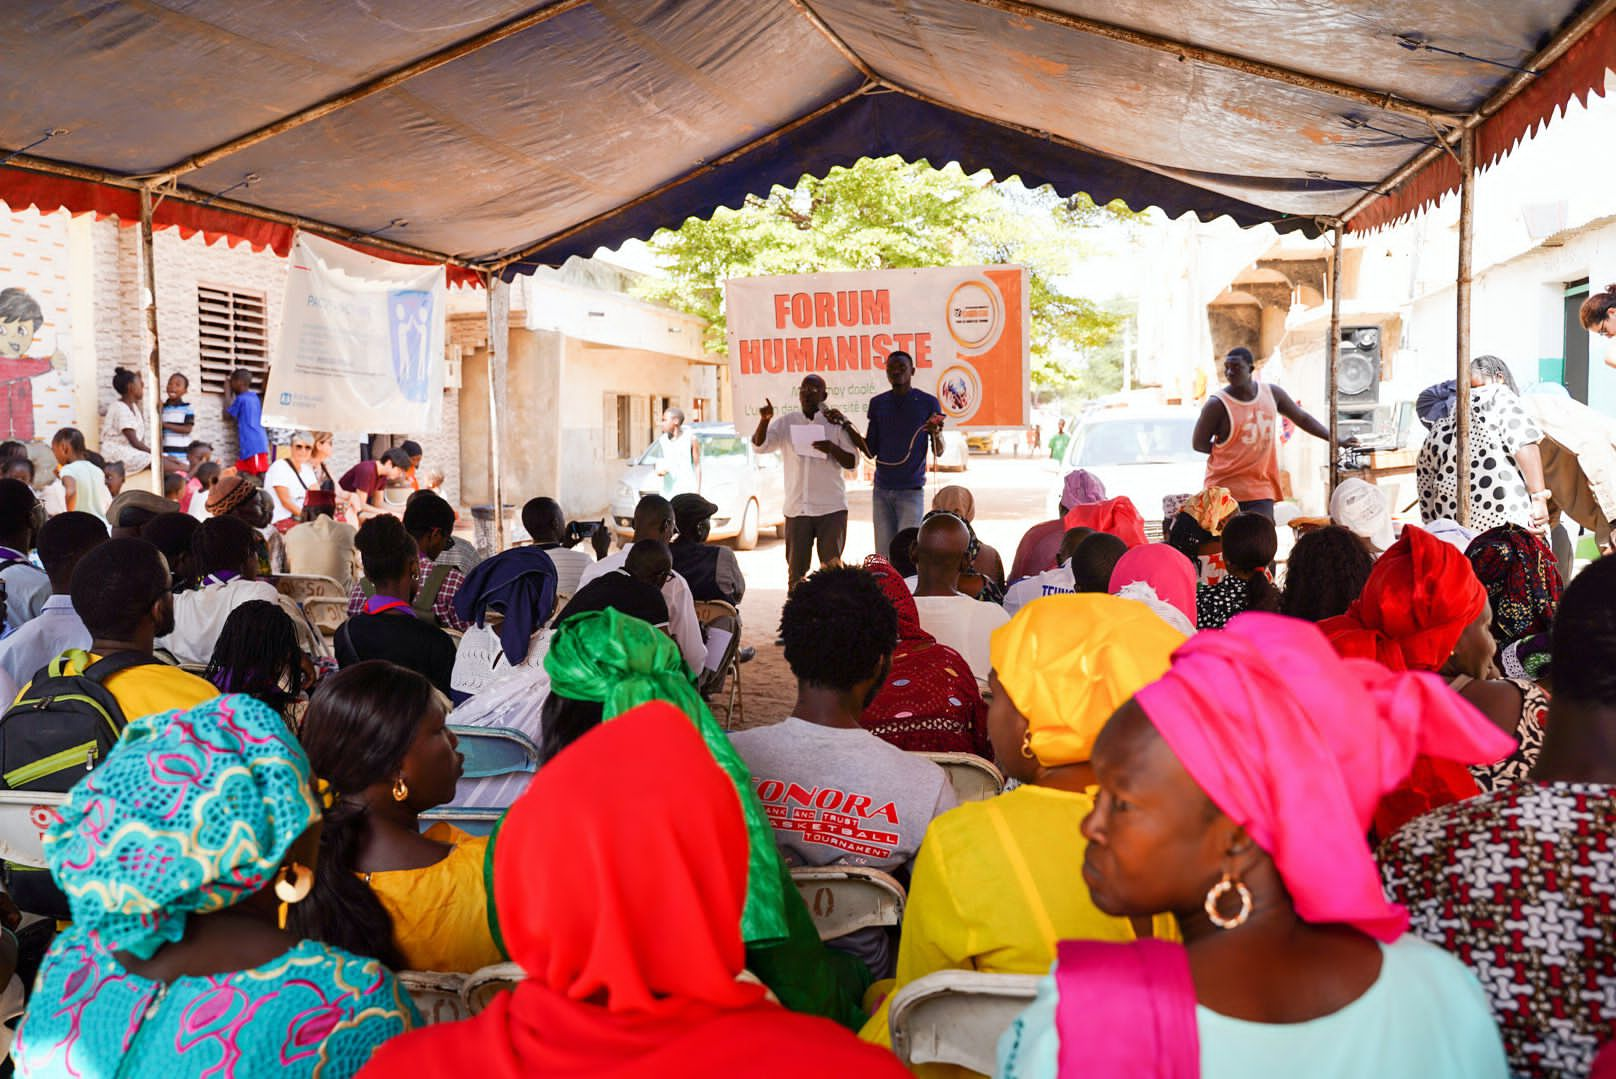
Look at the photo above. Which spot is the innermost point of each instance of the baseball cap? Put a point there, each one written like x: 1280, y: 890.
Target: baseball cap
x: 1361, y: 508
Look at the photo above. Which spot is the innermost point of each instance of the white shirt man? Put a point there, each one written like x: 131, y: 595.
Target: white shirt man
x: 682, y: 623
x: 964, y: 624
x: 1051, y: 582
x: 814, y: 452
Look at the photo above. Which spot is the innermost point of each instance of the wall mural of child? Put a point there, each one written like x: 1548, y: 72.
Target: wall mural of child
x: 20, y: 320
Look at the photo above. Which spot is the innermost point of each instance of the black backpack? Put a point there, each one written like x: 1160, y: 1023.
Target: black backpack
x: 59, y: 730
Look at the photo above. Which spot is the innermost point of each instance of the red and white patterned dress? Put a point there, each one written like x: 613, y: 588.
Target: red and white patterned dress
x: 1520, y: 884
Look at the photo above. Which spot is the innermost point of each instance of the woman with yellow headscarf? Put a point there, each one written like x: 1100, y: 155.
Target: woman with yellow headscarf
x: 997, y: 884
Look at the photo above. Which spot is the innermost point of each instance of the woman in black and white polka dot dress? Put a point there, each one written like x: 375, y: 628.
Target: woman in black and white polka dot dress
x: 1506, y: 468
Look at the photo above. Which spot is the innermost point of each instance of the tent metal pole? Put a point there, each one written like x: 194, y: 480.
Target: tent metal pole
x: 154, y: 384
x: 1332, y: 352
x: 499, y: 318
x: 1467, y: 229
x: 1378, y: 99
x: 1556, y: 48
x: 385, y: 81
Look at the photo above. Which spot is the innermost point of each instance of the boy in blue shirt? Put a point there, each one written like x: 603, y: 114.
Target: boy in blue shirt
x: 244, y: 406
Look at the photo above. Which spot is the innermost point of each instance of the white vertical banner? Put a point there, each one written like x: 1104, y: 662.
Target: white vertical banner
x: 361, y: 343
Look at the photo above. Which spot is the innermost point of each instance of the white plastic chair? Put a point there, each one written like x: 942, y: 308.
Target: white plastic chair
x: 483, y: 985
x: 436, y: 994
x: 973, y: 779
x: 326, y: 613
x: 956, y: 1017
x: 846, y: 898
x: 24, y: 817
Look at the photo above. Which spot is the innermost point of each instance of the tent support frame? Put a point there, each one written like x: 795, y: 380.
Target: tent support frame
x: 386, y: 81
x: 154, y: 368
x: 1377, y: 99
x: 1467, y: 232
x: 1332, y: 358
x: 499, y: 329
x: 246, y: 209
x: 1556, y: 48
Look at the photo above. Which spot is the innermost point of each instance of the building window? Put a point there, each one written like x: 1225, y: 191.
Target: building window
x: 620, y: 410
x: 232, y: 331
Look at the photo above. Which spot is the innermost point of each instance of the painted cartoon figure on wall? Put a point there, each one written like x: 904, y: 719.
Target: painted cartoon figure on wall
x: 20, y: 320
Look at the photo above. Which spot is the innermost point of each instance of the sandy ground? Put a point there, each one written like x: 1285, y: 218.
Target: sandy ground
x: 1009, y: 499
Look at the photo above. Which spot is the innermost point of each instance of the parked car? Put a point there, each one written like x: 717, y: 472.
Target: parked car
x: 747, y: 486
x: 1144, y: 453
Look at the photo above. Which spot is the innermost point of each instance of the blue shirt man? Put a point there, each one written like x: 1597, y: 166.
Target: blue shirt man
x: 893, y: 439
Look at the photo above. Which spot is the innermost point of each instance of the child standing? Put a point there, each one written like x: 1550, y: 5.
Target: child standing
x: 179, y: 418
x: 242, y: 404
x: 83, y: 482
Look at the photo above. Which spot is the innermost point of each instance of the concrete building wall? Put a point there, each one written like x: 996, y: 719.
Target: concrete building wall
x: 86, y: 274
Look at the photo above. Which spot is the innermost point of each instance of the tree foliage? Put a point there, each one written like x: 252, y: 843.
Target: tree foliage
x: 887, y: 213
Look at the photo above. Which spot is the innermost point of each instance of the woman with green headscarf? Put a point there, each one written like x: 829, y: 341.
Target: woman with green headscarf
x: 603, y: 663
x: 179, y: 856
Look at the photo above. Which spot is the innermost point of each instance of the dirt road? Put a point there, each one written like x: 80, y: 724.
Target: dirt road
x: 1009, y: 499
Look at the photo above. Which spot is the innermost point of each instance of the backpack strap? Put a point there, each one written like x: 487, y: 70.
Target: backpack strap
x: 117, y: 662
x: 426, y: 597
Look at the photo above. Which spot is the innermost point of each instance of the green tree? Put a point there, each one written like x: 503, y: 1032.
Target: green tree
x: 887, y: 213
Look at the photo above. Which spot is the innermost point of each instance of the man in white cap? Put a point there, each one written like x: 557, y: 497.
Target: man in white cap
x: 1361, y: 508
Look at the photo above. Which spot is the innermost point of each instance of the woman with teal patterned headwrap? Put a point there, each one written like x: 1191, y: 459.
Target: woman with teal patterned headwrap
x: 603, y: 663
x: 178, y: 855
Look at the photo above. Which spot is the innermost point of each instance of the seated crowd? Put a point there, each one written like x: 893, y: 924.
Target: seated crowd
x: 1346, y: 815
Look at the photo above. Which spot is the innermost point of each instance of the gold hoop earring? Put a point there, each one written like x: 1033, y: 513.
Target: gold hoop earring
x: 1215, y: 896
x: 293, y: 885
x: 1026, y: 745
x: 401, y: 789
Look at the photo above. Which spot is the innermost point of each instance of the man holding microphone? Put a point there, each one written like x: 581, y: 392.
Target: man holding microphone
x: 815, y: 492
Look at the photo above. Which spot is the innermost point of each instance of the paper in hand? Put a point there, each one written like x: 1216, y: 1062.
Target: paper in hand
x: 803, y: 437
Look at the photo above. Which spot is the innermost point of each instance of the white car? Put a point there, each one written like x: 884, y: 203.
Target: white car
x: 748, y: 487
x: 1144, y: 453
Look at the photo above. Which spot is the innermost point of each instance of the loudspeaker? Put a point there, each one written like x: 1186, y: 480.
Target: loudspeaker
x: 1357, y: 370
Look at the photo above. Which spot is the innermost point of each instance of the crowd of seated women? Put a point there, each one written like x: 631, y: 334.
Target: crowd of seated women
x: 1354, y: 823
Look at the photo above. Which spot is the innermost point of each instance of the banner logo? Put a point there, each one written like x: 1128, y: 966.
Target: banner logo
x: 410, y: 312
x: 975, y: 315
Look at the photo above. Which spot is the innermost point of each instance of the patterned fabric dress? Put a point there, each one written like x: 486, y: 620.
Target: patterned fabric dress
x: 1499, y: 427
x: 1517, y: 767
x: 315, y: 1011
x: 192, y: 813
x: 930, y: 702
x: 1520, y: 885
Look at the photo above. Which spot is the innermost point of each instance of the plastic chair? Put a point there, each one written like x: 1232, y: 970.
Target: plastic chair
x: 495, y: 751
x: 483, y: 985
x: 846, y: 898
x: 717, y: 612
x: 24, y: 817
x: 301, y: 586
x: 473, y: 820
x: 973, y: 779
x: 956, y: 1017
x: 437, y: 994
x: 327, y: 613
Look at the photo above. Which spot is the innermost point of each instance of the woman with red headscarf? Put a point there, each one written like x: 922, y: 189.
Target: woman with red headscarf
x: 930, y: 702
x: 1234, y: 795
x: 625, y: 911
x: 1423, y: 609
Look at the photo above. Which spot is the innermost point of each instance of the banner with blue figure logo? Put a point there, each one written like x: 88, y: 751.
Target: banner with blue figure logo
x: 361, y: 343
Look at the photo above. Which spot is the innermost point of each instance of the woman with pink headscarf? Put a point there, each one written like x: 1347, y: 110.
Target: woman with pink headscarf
x: 1038, y: 549
x: 1162, y: 579
x: 1232, y: 794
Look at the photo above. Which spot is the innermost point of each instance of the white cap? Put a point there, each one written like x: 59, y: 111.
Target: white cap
x: 1361, y: 508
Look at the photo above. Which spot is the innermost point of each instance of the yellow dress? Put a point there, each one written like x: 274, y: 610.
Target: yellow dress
x: 995, y: 885
x: 440, y: 912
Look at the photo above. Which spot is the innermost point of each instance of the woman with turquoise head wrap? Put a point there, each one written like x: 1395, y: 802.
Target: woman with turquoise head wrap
x: 179, y: 856
x: 603, y: 663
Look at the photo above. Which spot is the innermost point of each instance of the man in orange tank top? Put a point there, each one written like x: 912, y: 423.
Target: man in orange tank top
x: 1239, y: 431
